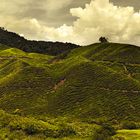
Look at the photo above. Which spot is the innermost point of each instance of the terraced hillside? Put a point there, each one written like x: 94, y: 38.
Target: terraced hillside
x: 96, y: 81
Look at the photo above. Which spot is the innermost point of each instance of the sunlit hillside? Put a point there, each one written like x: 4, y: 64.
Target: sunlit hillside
x: 96, y: 85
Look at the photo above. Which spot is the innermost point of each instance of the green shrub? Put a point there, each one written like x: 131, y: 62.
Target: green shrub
x: 129, y: 125
x: 109, y: 129
x: 31, y: 129
x: 4, y: 118
x: 98, y: 136
x: 50, y: 133
x: 66, y: 130
x: 104, y: 132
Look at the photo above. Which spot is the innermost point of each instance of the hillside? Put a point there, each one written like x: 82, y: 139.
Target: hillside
x: 99, y: 80
x: 93, y: 84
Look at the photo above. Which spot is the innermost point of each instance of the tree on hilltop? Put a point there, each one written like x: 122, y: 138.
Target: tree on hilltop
x: 103, y: 39
x: 2, y: 28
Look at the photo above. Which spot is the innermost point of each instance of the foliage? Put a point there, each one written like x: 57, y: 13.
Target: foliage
x: 104, y: 132
x: 21, y: 127
x: 32, y: 126
x: 103, y: 40
x: 16, y: 41
x: 129, y: 125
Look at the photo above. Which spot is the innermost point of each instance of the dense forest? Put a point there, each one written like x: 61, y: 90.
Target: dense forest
x: 52, y: 48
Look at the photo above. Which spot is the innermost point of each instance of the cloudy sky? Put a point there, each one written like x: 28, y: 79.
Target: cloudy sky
x: 78, y: 21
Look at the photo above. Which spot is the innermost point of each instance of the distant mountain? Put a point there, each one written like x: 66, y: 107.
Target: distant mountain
x: 51, y: 48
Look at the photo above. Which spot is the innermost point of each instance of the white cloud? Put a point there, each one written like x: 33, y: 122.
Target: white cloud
x: 99, y: 18
x: 102, y: 18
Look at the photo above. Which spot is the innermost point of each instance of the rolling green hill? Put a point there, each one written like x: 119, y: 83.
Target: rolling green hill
x: 90, y: 83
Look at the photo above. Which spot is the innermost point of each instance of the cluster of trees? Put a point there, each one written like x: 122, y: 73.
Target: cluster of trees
x: 51, y: 48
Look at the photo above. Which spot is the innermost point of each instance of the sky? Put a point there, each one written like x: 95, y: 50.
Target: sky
x: 77, y: 21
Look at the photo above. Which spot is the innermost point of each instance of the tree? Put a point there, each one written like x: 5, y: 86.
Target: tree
x: 2, y: 28
x: 103, y: 40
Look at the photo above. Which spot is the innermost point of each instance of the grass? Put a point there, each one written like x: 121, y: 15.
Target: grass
x: 127, y: 135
